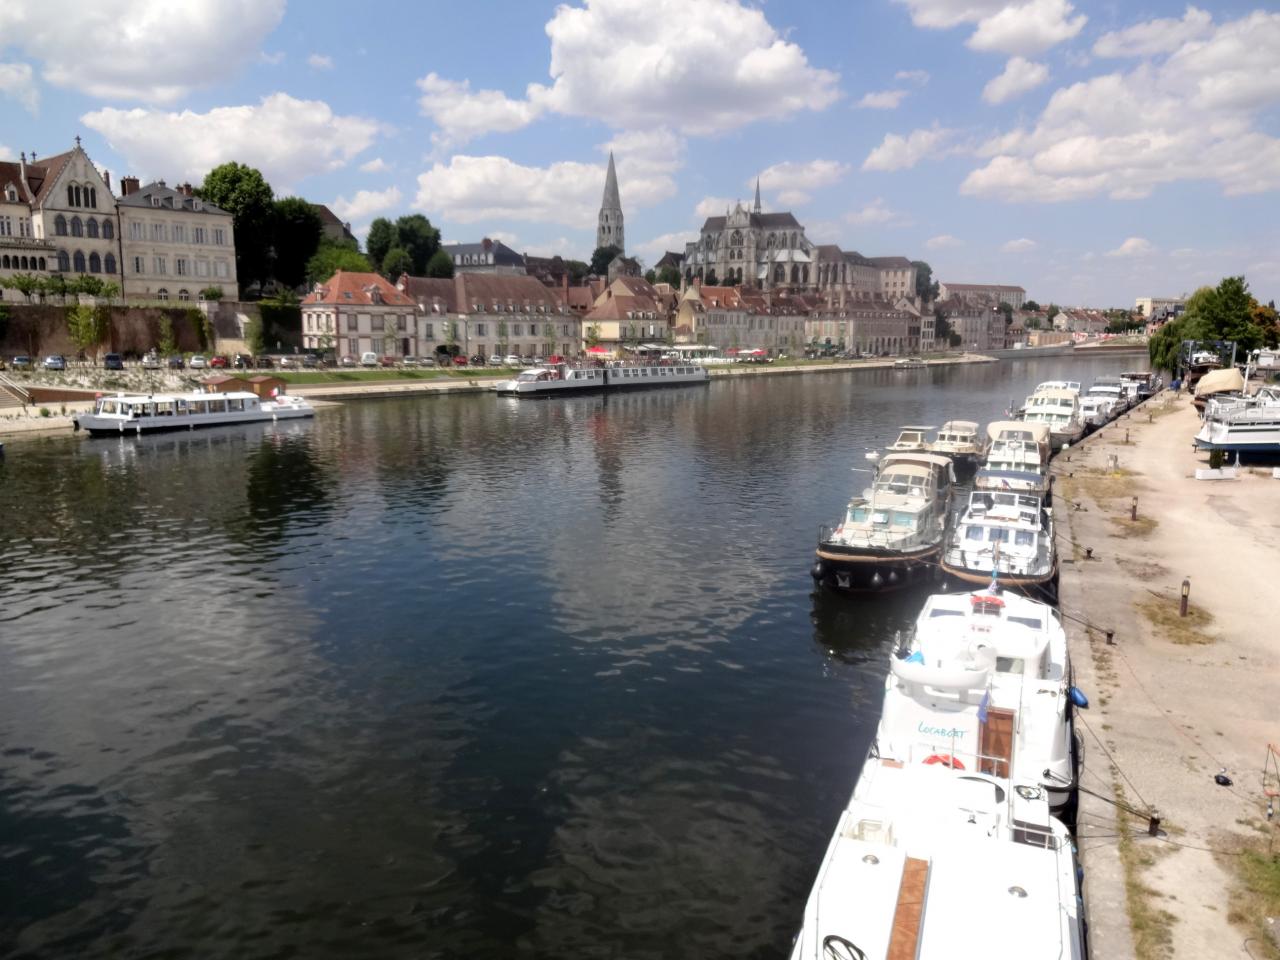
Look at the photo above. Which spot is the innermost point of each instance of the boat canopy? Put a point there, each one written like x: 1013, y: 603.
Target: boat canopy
x: 1057, y: 393
x: 1039, y: 432
x: 1220, y: 381
x: 924, y: 459
x: 960, y: 426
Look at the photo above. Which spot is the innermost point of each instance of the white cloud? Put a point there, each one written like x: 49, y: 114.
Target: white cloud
x: 472, y: 189
x: 918, y: 77
x: 1019, y: 76
x: 376, y: 165
x: 877, y: 211
x: 320, y: 61
x: 1163, y: 35
x: 463, y: 115
x: 809, y: 175
x: 652, y: 250
x: 943, y: 14
x: 897, y: 152
x: 1027, y: 28
x: 881, y: 100
x: 713, y: 206
x: 366, y: 203
x: 1132, y: 247
x: 942, y: 241
x: 559, y: 247
x: 1191, y: 117
x: 16, y: 83
x: 306, y: 137
x: 646, y: 161
x: 1021, y: 245
x: 793, y: 198
x: 271, y: 59
x: 152, y: 50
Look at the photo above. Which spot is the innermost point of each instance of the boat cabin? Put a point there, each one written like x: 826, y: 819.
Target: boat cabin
x: 910, y: 439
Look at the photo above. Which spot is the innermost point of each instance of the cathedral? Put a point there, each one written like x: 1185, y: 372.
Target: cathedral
x: 751, y: 248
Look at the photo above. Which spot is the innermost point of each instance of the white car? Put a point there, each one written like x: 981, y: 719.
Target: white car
x: 368, y: 359
x: 197, y: 362
x: 511, y: 360
x: 495, y: 360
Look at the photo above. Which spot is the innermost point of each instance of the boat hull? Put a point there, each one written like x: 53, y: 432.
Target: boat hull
x: 610, y: 381
x: 1037, y: 586
x: 872, y: 570
x: 117, y: 427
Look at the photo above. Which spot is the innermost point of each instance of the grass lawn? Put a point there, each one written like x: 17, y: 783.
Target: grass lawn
x: 385, y: 376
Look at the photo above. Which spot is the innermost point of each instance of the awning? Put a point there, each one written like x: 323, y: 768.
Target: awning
x: 598, y: 350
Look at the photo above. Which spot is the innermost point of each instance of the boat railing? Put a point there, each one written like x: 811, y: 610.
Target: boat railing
x: 884, y: 538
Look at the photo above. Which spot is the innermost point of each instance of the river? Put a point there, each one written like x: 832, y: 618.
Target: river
x: 458, y: 676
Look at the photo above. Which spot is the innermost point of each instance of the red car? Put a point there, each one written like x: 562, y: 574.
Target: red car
x: 459, y: 361
x: 219, y: 362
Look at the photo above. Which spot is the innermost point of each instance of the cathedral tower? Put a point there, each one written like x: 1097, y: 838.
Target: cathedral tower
x: 609, y: 230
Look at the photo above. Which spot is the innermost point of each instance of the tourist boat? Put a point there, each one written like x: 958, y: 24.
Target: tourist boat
x: 551, y: 379
x: 1017, y: 458
x: 1007, y: 538
x: 959, y: 440
x: 153, y: 412
x: 892, y: 533
x: 912, y: 438
x: 1243, y: 424
x: 984, y: 680
x: 1060, y: 409
x: 909, y: 363
x: 928, y: 863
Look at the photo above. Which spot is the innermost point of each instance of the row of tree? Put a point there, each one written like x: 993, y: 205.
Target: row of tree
x: 1225, y: 312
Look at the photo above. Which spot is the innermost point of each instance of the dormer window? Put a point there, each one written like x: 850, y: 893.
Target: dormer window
x: 155, y: 201
x: 195, y: 205
x: 11, y: 194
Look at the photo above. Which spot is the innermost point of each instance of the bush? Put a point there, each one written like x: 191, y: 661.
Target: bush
x: 44, y: 412
x: 1217, y: 458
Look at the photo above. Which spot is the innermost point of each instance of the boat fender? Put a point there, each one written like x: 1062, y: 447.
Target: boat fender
x: 877, y: 581
x: 1078, y: 698
x: 75, y: 424
x: 945, y: 759
x: 816, y: 570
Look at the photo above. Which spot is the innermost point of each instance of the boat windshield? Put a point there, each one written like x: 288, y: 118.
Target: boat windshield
x: 903, y: 484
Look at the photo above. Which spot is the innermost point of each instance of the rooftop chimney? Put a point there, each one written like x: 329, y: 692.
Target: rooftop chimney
x: 186, y: 190
x: 106, y: 178
x: 128, y: 185
x: 487, y: 244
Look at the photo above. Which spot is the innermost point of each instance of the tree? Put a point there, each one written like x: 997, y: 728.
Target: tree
x: 416, y: 234
x: 391, y: 336
x: 1267, y: 320
x: 440, y: 265
x: 1007, y: 310
x: 88, y: 326
x: 332, y: 257
x: 27, y: 284
x: 926, y: 287
x: 593, y: 335
x: 109, y: 292
x: 295, y: 237
x: 1031, y: 305
x: 253, y: 338
x: 167, y: 344
x: 578, y: 270
x: 212, y: 294
x: 382, y: 237
x: 55, y: 285
x: 396, y: 262
x: 243, y: 192
x: 87, y: 284
x: 602, y: 257
x: 670, y: 275
x: 941, y: 325
x: 711, y: 278
x: 651, y: 276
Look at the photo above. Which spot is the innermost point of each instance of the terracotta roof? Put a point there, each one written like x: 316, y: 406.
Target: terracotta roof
x: 669, y: 259
x: 638, y: 286
x: 581, y: 298
x: 489, y: 288
x: 40, y: 176
x: 326, y: 215
x: 346, y: 287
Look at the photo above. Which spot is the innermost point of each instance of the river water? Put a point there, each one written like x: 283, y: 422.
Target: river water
x: 446, y: 677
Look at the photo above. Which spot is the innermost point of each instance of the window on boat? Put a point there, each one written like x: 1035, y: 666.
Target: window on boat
x: 109, y: 406
x: 1033, y: 622
x: 1024, y: 538
x: 901, y: 519
x: 973, y: 533
x: 997, y: 535
x: 880, y: 518
x: 858, y: 515
x: 1009, y: 665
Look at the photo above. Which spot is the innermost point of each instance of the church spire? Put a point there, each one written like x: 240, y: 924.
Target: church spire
x: 757, y: 208
x: 609, y: 230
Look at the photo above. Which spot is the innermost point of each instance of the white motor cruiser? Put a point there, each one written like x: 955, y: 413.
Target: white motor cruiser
x: 1060, y: 409
x: 1242, y: 424
x: 1017, y: 458
x: 1006, y: 537
x: 961, y: 441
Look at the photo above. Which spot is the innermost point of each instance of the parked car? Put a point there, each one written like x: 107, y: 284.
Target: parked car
x: 176, y: 362
x: 219, y: 362
x: 368, y: 359
x: 112, y: 361
x: 310, y: 361
x: 265, y: 363
x: 511, y: 360
x: 151, y: 361
x: 478, y: 360
x: 288, y: 362
x: 197, y: 362
x: 21, y: 362
x: 242, y: 362
x: 408, y: 361
x: 387, y: 363
x: 495, y: 359
x: 528, y: 361
x: 459, y: 361
x: 347, y: 361
x: 55, y: 362
x: 426, y: 361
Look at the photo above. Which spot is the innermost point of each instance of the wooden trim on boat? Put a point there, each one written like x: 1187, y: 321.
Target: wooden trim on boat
x: 1006, y: 579
x: 889, y: 558
x: 904, y: 940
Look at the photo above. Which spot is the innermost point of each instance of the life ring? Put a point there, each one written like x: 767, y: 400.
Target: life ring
x: 945, y: 759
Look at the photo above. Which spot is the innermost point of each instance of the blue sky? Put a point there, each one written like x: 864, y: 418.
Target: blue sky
x: 1092, y: 152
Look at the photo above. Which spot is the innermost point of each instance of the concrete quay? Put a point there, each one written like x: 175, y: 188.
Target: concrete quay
x: 1175, y: 700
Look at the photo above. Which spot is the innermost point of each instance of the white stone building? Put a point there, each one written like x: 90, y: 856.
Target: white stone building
x: 997, y: 293
x: 355, y: 313
x: 174, y: 244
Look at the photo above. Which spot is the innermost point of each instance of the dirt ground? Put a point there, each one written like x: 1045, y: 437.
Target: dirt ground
x: 1174, y: 701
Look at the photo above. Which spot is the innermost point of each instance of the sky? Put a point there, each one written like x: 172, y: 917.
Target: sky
x: 1090, y: 152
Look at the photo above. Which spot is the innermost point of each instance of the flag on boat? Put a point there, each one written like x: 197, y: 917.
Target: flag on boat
x: 1004, y: 484
x: 983, y: 704
x: 275, y: 392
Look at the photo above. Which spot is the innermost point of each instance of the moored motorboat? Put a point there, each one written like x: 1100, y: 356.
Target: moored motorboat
x: 913, y: 438
x: 124, y: 413
x: 1060, y: 409
x: 1225, y: 384
x: 1007, y: 538
x: 961, y: 441
x: 891, y: 534
x: 1095, y: 412
x: 1242, y: 424
x: 1017, y: 458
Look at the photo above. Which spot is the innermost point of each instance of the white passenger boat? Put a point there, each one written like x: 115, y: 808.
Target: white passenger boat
x: 1007, y: 537
x: 1060, y: 409
x: 928, y: 863
x: 149, y: 413
x: 551, y: 379
x: 984, y: 682
x: 1017, y: 458
x: 909, y: 363
x: 1242, y: 424
x: 891, y: 534
x: 959, y: 440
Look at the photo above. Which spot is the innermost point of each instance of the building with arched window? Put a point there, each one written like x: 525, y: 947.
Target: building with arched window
x: 57, y: 214
x: 751, y: 248
x: 173, y: 240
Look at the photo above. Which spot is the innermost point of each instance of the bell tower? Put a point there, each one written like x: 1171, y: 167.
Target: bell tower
x: 609, y: 228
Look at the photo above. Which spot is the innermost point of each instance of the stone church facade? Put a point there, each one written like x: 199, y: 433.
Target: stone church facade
x: 751, y: 248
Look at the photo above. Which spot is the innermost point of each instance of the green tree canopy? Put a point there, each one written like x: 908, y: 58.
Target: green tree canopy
x: 242, y: 191
x: 420, y: 238
x: 253, y: 337
x: 578, y: 270
x: 601, y: 258
x: 669, y: 275
x: 651, y: 275
x: 382, y: 237
x: 296, y: 232
x: 1030, y: 305
x: 331, y: 257
x: 396, y: 262
x: 440, y: 264
x: 926, y: 287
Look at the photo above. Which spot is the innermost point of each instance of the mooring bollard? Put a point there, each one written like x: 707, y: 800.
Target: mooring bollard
x: 1133, y: 509
x: 1186, y: 593
x: 1088, y: 553
x: 1111, y: 638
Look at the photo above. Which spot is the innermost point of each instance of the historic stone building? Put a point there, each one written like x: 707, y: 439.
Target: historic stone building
x: 751, y: 247
x: 57, y: 215
x: 995, y: 292
x: 353, y: 313
x: 174, y: 244
x: 609, y: 228
x: 487, y: 256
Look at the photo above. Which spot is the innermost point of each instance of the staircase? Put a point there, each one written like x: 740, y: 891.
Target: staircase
x: 12, y: 396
